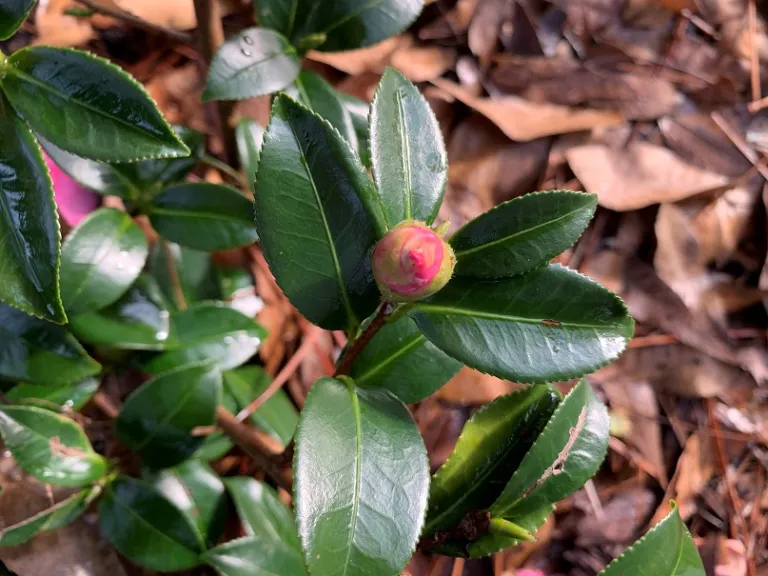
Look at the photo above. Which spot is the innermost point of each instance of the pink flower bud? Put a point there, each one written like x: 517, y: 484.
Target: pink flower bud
x: 412, y: 262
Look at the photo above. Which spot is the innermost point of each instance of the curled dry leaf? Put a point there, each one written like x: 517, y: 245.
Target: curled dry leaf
x: 523, y: 120
x: 420, y: 64
x: 370, y: 59
x: 470, y: 387
x: 638, y: 175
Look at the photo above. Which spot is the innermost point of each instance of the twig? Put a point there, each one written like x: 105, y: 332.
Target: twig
x: 736, y: 502
x: 263, y: 450
x: 105, y: 404
x: 211, y: 36
x: 754, y: 57
x: 173, y: 275
x: 359, y: 344
x: 740, y: 143
x: 133, y: 20
x: 290, y: 367
x: 226, y: 169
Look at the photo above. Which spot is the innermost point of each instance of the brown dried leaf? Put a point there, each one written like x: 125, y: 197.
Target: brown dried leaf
x: 695, y: 467
x: 523, y: 120
x: 470, y: 387
x: 54, y: 28
x: 624, y: 516
x: 638, y: 175
x: 420, y: 64
x: 452, y: 23
x: 370, y: 59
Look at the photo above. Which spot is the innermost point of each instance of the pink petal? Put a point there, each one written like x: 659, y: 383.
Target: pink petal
x: 74, y: 201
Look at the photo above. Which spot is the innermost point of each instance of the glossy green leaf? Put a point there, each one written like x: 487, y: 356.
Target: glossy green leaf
x: 71, y: 396
x: 361, y: 479
x: 29, y: 224
x: 196, y: 490
x: 52, y: 448
x: 318, y: 95
x: 100, y: 259
x: 237, y: 288
x: 491, y: 543
x: 522, y: 234
x: 262, y: 513
x: 252, y: 63
x: 400, y: 359
x: 315, y: 232
x: 358, y: 111
x: 410, y: 164
x: 211, y: 332
x: 87, y: 106
x: 567, y: 453
x: 204, y: 216
x: 138, y: 321
x: 276, y: 15
x: 192, y: 268
x: 666, y: 550
x: 12, y: 15
x: 255, y: 556
x: 277, y: 416
x: 491, y: 446
x: 250, y: 136
x: 550, y: 324
x: 38, y: 352
x: 130, y: 181
x: 146, y: 528
x: 157, y: 419
x: 217, y: 443
x: 58, y: 515
x: 350, y: 24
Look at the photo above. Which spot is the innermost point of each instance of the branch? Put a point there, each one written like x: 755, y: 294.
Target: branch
x: 265, y: 452
x: 211, y: 36
x: 358, y: 345
x: 133, y: 20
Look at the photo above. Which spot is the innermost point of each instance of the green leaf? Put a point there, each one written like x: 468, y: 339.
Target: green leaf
x: 211, y: 332
x: 100, y: 259
x: 252, y: 63
x: 358, y: 111
x: 262, y: 513
x: 400, y: 359
x: 314, y: 229
x: 522, y: 234
x: 196, y: 490
x: 250, y: 136
x: 38, y: 352
x: 361, y: 479
x: 137, y: 321
x: 52, y: 448
x: 489, y: 450
x: 157, y: 419
x: 58, y: 515
x: 319, y: 96
x: 550, y: 324
x: 217, y: 444
x: 29, y: 223
x: 276, y: 15
x: 350, y: 24
x: 181, y: 212
x: 254, y: 556
x: 410, y: 164
x: 237, y: 288
x: 666, y: 550
x: 567, y: 453
x: 87, y: 106
x: 193, y: 269
x: 154, y: 173
x: 277, y: 416
x: 72, y: 396
x: 12, y: 16
x: 147, y: 528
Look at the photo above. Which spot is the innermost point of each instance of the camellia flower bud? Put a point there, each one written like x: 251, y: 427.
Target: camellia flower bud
x: 412, y: 262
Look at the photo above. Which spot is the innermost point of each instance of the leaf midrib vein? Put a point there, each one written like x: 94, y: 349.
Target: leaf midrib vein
x: 358, y: 473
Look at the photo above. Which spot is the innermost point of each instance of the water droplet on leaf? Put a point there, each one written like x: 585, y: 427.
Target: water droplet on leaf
x: 247, y: 52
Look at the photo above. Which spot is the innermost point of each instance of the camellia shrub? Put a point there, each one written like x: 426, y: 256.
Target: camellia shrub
x: 353, y: 248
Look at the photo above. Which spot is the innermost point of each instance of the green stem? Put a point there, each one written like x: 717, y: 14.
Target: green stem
x: 506, y: 528
x: 224, y: 167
